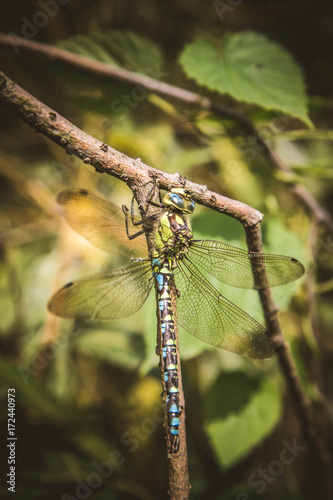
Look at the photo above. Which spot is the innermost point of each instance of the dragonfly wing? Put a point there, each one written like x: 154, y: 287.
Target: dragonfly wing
x: 110, y: 295
x: 100, y: 222
x: 206, y: 314
x: 240, y: 268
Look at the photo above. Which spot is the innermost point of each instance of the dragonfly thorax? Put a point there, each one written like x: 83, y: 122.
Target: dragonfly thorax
x: 174, y: 236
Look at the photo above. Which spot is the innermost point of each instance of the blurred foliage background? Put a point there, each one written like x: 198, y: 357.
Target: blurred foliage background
x: 88, y: 393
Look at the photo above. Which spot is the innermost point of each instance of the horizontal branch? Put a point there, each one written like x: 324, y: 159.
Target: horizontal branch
x: 107, y: 159
x: 54, y: 54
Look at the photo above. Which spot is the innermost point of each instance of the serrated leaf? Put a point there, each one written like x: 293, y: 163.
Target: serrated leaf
x: 240, y: 411
x: 251, y: 68
x: 119, y: 48
x: 90, y: 46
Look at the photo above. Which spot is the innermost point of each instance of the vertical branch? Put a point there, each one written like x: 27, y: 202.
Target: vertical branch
x: 179, y: 483
x: 299, y: 398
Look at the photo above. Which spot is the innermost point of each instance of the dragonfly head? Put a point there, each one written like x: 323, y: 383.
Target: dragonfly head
x: 180, y: 199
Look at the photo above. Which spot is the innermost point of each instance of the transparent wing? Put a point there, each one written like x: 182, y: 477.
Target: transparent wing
x: 236, y: 267
x: 100, y: 222
x: 206, y: 314
x: 110, y: 295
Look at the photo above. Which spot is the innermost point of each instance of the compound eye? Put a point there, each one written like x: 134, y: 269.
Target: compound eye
x: 190, y: 207
x: 177, y: 201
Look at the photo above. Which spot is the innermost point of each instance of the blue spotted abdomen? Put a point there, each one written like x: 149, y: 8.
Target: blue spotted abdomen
x: 170, y: 359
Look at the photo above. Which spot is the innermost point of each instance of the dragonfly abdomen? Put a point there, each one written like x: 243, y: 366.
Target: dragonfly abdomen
x: 169, y: 351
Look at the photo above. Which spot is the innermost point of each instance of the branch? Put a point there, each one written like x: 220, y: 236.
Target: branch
x: 55, y: 54
x: 75, y: 141
x: 137, y: 175
x: 108, y: 160
x: 300, y: 400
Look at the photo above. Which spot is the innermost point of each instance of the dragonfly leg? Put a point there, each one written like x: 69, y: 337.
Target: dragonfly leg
x: 183, y: 179
x: 174, y: 444
x: 150, y: 195
x: 148, y: 201
x: 131, y: 236
x: 135, y: 222
x: 141, y: 221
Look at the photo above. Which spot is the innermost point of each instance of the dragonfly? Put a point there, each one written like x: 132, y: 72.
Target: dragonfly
x: 176, y: 263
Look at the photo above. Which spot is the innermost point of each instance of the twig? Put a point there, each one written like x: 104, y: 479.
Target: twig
x: 190, y: 98
x: 55, y: 54
x: 138, y: 176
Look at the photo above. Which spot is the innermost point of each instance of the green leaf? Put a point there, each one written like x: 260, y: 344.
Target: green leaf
x: 7, y: 310
x: 240, y: 411
x: 209, y: 224
x: 89, y: 46
x: 278, y: 239
x: 119, y: 48
x: 250, y: 68
x: 118, y: 348
x: 33, y: 394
